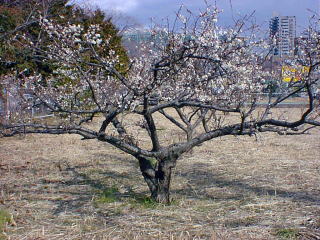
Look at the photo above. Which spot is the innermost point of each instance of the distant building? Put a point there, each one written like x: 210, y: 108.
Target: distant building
x: 282, y: 35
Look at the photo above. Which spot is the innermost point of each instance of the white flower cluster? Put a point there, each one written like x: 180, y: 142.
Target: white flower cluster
x: 93, y: 36
x: 74, y: 34
x: 215, y: 64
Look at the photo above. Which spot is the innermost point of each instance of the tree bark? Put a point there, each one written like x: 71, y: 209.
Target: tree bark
x: 158, y: 178
x: 163, y: 180
x: 148, y: 173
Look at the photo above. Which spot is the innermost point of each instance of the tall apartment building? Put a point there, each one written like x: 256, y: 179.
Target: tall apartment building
x: 282, y: 34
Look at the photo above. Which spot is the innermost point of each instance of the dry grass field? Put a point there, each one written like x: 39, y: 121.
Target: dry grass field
x: 59, y: 187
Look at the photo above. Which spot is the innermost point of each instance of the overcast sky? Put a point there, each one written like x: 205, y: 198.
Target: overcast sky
x: 144, y: 10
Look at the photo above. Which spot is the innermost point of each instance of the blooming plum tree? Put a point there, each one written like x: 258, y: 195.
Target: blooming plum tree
x: 202, y: 74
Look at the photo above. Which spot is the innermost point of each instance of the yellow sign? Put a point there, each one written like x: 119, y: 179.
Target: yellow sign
x: 291, y: 74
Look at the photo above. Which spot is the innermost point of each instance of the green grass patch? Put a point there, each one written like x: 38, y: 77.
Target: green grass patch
x: 5, y: 218
x: 108, y: 195
x: 287, y: 233
x: 144, y: 202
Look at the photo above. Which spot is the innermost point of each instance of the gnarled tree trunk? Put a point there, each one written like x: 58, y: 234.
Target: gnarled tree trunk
x: 163, y: 180
x: 158, y: 178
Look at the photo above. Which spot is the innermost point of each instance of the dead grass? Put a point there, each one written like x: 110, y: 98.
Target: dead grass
x: 59, y: 187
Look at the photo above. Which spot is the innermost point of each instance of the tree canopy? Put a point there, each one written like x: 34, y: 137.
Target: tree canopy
x: 208, y: 82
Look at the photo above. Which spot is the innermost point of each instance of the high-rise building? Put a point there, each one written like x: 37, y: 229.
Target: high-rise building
x: 282, y: 35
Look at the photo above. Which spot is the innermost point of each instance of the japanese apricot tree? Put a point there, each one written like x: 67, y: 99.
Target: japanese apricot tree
x: 200, y: 74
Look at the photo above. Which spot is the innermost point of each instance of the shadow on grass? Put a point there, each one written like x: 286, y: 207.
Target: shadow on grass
x: 74, y: 188
x: 79, y: 192
x: 99, y: 191
x: 200, y: 180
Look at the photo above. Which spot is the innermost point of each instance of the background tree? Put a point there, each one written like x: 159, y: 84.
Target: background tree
x: 208, y: 79
x: 22, y: 19
x: 23, y: 41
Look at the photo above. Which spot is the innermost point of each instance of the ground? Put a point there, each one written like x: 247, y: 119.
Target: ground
x: 60, y: 187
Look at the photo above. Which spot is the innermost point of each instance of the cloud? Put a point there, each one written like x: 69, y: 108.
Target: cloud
x: 116, y: 5
x: 111, y: 5
x: 143, y: 10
